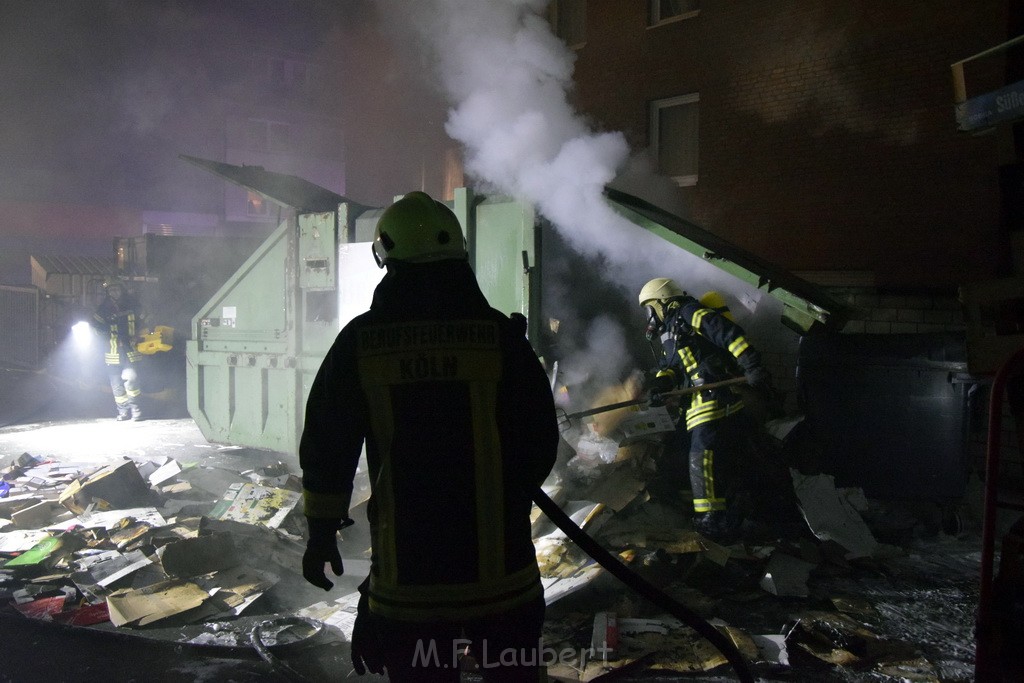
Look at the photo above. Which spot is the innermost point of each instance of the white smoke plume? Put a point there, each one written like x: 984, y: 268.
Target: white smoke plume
x: 508, y: 80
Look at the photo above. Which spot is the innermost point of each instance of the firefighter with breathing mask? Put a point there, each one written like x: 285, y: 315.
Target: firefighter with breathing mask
x: 702, y: 345
x: 459, y: 425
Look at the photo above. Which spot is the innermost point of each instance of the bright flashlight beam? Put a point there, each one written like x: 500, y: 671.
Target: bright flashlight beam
x: 82, y: 333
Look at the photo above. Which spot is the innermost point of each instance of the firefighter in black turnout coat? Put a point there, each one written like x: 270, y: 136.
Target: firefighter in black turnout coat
x: 119, y: 320
x: 459, y: 425
x: 702, y: 346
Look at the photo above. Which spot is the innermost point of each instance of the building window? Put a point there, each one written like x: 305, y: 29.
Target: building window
x: 569, y: 21
x: 267, y: 136
x: 674, y: 137
x: 289, y: 73
x: 256, y: 205
x: 663, y: 11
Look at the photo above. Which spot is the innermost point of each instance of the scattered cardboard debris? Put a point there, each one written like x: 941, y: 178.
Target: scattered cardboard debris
x: 42, y: 608
x: 831, y: 515
x: 176, y: 487
x: 114, y: 486
x: 20, y: 540
x: 112, y: 519
x: 234, y: 589
x: 143, y: 606
x: 618, y: 487
x: 97, y: 573
x: 106, y: 569
x: 645, y: 423
x: 831, y: 637
x: 35, y: 516
x: 772, y: 649
x: 253, y: 504
x: 787, y: 576
x: 198, y: 555
x: 165, y: 472
x: 339, y: 614
x: 19, y: 501
x: 45, y: 553
x: 87, y: 615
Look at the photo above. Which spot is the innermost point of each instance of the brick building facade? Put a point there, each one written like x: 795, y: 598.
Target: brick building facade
x: 827, y: 139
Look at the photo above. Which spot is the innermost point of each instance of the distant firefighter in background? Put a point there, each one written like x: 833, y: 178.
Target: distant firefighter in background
x: 120, y: 320
x: 702, y: 345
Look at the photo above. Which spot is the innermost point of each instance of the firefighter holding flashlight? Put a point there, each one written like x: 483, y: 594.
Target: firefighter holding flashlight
x: 120, y: 321
x: 702, y: 345
x: 459, y: 425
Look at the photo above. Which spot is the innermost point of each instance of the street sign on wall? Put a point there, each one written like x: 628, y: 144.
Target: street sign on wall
x: 999, y: 106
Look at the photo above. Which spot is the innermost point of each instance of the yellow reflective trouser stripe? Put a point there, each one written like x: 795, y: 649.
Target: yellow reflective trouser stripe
x: 490, y: 510
x: 111, y: 357
x: 738, y: 346
x: 709, y: 503
x: 121, y: 400
x: 331, y: 505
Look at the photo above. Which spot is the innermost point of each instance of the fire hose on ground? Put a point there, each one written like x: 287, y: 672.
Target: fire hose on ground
x: 647, y: 590
x: 591, y: 547
x: 620, y: 571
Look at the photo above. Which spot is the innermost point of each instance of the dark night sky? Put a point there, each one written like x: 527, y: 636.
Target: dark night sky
x: 97, y: 93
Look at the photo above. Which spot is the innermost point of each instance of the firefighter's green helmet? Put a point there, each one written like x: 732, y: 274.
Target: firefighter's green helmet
x: 660, y: 289
x: 418, y: 229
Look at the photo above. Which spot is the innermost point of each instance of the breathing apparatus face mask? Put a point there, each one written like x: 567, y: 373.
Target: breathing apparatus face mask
x: 654, y: 321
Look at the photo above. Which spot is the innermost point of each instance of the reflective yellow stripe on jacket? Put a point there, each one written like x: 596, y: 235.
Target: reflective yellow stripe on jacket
x: 462, y: 354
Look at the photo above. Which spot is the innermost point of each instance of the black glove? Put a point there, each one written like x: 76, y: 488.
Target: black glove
x: 660, y: 384
x: 759, y: 378
x: 367, y: 652
x: 656, y: 386
x: 322, y: 548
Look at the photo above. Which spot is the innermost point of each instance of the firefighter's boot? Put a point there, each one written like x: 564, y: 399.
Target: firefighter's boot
x: 716, y: 526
